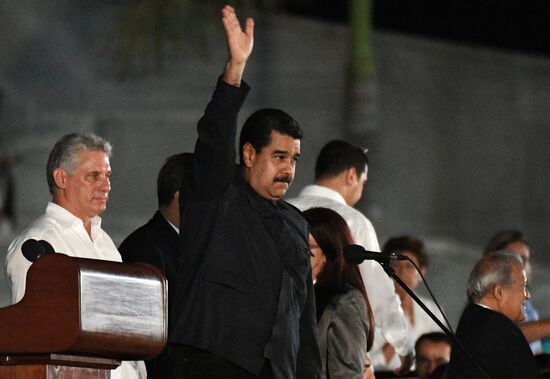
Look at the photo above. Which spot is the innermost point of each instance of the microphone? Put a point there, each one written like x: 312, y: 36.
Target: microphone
x: 33, y: 249
x: 355, y: 254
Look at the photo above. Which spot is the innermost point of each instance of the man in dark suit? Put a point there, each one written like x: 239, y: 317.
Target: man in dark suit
x: 244, y: 303
x: 157, y: 242
x: 487, y: 328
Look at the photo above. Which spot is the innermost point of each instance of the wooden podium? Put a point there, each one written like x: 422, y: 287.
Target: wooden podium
x: 80, y: 317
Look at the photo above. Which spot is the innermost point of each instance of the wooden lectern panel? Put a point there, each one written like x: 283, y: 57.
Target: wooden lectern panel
x: 88, y: 307
x: 55, y: 366
x: 52, y: 372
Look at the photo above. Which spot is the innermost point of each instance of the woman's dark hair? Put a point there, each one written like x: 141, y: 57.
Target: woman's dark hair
x: 332, y: 235
x: 407, y: 243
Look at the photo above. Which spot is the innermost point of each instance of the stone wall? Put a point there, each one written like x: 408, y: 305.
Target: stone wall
x: 458, y: 136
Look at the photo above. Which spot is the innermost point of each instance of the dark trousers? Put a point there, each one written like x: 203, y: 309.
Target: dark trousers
x: 186, y: 362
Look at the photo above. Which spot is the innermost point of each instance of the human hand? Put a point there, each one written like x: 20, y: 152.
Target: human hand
x: 368, y: 372
x: 406, y: 364
x: 239, y: 44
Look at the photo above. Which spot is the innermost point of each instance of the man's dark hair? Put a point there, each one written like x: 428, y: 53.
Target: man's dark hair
x: 435, y: 337
x: 503, y: 239
x: 258, y: 127
x: 337, y: 156
x: 407, y: 243
x: 171, y: 176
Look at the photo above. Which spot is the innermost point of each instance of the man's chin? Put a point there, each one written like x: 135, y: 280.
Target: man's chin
x: 523, y: 316
x: 100, y: 209
x: 280, y: 189
x: 278, y: 194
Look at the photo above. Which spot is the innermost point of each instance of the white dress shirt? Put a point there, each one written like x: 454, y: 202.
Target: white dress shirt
x: 389, y: 319
x: 67, y: 235
x: 422, y: 324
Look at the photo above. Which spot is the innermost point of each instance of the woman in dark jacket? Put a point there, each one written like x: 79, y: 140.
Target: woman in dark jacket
x: 345, y: 326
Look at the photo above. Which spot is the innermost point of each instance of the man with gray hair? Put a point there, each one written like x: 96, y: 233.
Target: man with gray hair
x: 488, y: 326
x: 78, y: 173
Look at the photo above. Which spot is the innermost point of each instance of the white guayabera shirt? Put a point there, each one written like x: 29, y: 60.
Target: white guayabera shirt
x: 389, y: 319
x: 67, y: 235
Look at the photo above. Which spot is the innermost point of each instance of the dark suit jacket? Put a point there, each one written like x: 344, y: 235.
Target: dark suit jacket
x: 156, y: 243
x: 496, y: 342
x: 245, y: 291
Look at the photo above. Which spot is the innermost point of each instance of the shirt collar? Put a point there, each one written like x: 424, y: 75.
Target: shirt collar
x: 322, y: 191
x: 66, y: 219
x: 484, y: 306
x: 172, y: 225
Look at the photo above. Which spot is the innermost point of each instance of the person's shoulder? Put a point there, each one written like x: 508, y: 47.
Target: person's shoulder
x: 134, y: 239
x: 355, y: 214
x: 140, y: 237
x: 352, y: 297
x: 485, y: 321
x: 292, y: 208
x: 314, y: 196
x: 306, y: 201
x: 40, y: 228
x: 350, y: 304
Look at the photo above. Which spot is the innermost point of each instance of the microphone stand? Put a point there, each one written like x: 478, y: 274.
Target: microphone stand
x: 390, y: 271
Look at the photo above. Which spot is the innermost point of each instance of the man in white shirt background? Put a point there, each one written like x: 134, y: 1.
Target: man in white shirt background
x: 418, y: 321
x: 78, y: 174
x: 340, y: 175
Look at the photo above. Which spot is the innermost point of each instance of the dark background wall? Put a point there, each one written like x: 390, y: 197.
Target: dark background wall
x: 457, y: 134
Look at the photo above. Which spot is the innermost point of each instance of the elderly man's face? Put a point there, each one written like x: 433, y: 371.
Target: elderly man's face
x: 86, y: 189
x: 271, y: 171
x: 512, y: 303
x: 430, y: 355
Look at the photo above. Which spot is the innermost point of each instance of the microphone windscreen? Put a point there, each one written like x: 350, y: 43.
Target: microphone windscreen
x: 354, y: 254
x: 32, y: 249
x: 46, y: 246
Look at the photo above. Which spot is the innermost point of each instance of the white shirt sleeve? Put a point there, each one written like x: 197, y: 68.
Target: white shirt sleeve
x: 390, y: 322
x: 17, y: 265
x: 73, y: 242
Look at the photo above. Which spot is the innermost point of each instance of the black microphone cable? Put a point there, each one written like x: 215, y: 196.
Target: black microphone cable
x: 449, y: 331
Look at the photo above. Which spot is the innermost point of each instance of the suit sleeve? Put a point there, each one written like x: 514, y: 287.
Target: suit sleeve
x: 214, y: 155
x: 309, y: 359
x: 142, y: 249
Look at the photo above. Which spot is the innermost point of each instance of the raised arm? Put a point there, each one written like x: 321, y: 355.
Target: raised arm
x: 214, y: 154
x: 239, y: 45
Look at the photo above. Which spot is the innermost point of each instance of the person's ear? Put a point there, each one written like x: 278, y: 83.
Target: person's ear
x: 60, y: 177
x: 498, y: 292
x: 351, y: 175
x: 249, y: 155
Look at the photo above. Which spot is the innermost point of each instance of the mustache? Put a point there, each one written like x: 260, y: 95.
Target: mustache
x: 283, y: 179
